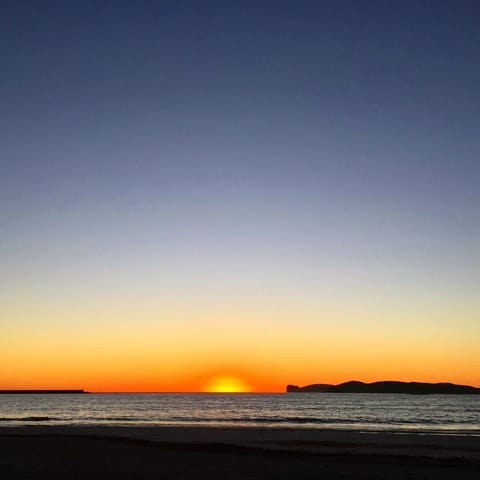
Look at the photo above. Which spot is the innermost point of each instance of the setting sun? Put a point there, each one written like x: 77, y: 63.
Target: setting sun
x: 226, y: 384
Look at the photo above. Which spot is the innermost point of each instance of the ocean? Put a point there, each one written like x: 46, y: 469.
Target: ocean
x: 441, y: 414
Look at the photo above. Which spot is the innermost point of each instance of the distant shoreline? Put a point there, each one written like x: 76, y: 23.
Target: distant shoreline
x: 49, y: 392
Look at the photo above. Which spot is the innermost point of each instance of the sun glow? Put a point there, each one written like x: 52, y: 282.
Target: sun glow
x: 226, y: 384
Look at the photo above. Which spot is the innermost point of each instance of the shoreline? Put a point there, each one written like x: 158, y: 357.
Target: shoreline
x: 200, y: 452
x: 44, y: 422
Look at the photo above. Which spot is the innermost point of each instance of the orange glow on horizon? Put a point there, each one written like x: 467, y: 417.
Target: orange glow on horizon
x: 263, y: 353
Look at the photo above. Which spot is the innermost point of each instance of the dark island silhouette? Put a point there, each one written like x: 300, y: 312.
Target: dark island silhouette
x: 417, y: 388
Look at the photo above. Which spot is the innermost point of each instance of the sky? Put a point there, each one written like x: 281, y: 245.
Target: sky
x: 270, y: 191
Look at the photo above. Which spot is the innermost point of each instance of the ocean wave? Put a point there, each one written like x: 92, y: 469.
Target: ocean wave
x: 291, y: 420
x: 116, y: 419
x: 27, y: 419
x: 277, y: 420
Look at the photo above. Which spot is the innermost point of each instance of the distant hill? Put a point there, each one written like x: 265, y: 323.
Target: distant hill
x: 417, y: 388
x: 316, y: 387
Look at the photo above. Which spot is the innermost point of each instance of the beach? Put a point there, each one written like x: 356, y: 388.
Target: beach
x: 28, y: 452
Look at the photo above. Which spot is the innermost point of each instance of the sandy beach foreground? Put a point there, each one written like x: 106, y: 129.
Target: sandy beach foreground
x: 231, y: 453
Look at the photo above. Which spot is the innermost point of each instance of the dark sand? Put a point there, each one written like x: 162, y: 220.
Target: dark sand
x: 229, y: 453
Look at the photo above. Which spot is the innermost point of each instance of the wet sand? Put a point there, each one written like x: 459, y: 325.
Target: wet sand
x: 231, y: 453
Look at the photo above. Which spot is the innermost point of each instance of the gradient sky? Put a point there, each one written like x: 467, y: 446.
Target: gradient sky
x: 281, y: 191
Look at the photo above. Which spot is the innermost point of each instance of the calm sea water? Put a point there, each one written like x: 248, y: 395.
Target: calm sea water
x: 452, y: 414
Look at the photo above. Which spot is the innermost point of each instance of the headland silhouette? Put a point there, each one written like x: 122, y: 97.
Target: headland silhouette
x: 418, y: 388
